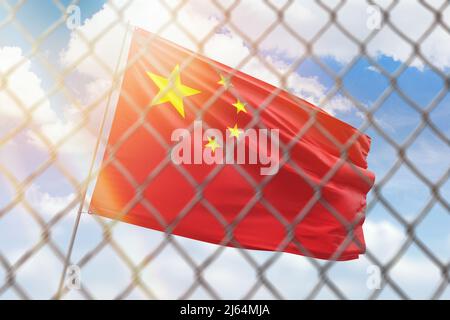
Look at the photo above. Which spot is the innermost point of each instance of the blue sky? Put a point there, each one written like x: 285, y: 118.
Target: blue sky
x: 405, y: 192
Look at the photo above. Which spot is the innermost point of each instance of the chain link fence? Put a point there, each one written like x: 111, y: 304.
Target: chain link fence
x: 105, y: 259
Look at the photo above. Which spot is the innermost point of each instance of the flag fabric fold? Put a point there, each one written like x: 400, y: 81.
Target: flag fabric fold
x: 168, y: 166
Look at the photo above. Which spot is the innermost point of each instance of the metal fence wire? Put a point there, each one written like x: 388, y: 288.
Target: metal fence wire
x: 101, y: 264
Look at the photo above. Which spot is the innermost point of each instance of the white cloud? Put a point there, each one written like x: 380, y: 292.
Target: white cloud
x: 226, y: 47
x: 46, y: 204
x: 21, y: 90
x: 78, y: 141
x: 373, y: 69
x: 231, y: 276
x: 307, y: 17
x: 200, y: 18
x: 387, y: 42
x: 383, y: 238
x: 25, y: 152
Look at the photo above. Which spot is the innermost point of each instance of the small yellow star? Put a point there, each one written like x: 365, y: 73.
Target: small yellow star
x: 235, y: 131
x: 240, y: 106
x: 226, y: 82
x: 212, y: 144
x: 172, y: 90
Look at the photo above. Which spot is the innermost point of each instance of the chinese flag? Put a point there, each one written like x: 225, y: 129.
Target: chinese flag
x: 311, y: 202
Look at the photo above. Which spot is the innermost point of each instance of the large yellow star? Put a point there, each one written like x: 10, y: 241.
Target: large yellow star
x: 212, y: 144
x: 172, y: 90
x: 235, y: 131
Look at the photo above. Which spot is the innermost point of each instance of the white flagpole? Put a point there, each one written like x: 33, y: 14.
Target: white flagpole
x: 89, y: 177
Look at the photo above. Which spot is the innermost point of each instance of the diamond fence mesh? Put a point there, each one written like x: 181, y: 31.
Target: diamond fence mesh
x: 107, y: 266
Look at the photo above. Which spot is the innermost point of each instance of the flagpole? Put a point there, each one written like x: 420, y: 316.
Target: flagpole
x: 91, y: 167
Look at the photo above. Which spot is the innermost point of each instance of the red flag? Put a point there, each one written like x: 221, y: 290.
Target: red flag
x: 204, y: 151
